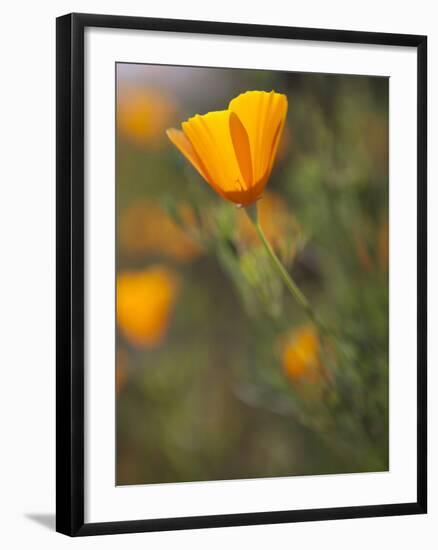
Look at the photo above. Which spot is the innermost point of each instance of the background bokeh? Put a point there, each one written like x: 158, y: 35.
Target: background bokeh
x: 218, y: 373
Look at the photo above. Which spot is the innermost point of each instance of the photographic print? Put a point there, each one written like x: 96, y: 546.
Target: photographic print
x: 252, y: 274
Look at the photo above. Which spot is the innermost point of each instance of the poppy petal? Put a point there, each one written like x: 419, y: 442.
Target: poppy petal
x: 263, y: 115
x: 242, y: 148
x: 181, y: 142
x: 210, y: 136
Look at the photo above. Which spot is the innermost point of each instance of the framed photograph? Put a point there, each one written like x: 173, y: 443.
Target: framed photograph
x: 241, y: 274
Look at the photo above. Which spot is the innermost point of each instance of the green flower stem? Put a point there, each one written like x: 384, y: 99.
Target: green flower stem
x: 293, y: 288
x: 281, y: 270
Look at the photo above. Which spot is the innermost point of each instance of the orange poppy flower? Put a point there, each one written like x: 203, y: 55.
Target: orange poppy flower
x: 145, y: 300
x: 138, y: 232
x: 234, y: 150
x: 301, y: 355
x: 143, y: 114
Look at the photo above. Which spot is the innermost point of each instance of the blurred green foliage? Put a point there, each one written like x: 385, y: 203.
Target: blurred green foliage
x: 213, y: 400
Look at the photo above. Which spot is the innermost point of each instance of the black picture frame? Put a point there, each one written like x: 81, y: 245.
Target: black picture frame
x: 70, y: 273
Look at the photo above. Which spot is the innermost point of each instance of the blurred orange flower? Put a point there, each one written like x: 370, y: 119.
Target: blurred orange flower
x: 372, y: 248
x: 383, y: 245
x: 301, y: 355
x: 146, y: 227
x: 279, y: 225
x: 145, y: 301
x: 143, y: 115
x: 286, y: 143
x: 121, y: 370
x: 234, y: 150
x: 374, y: 131
x: 363, y: 253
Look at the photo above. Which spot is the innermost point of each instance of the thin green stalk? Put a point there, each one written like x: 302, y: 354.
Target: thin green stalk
x: 293, y: 288
x: 281, y: 270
